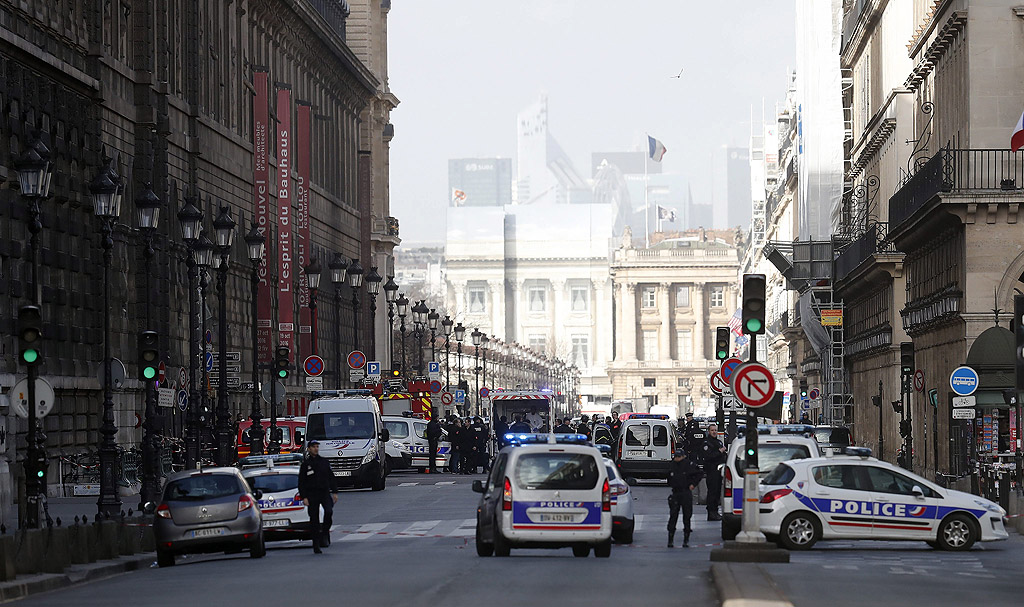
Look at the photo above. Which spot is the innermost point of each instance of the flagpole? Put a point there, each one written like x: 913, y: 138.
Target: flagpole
x: 647, y: 206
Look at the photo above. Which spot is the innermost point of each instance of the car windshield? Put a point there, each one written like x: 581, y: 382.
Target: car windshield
x: 556, y: 471
x: 781, y: 475
x: 638, y: 436
x: 350, y: 424
x: 833, y: 436
x: 771, y: 455
x: 397, y: 429
x: 202, y: 487
x: 273, y: 483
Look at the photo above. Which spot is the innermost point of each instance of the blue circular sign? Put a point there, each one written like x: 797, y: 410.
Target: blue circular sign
x: 182, y: 400
x: 963, y: 381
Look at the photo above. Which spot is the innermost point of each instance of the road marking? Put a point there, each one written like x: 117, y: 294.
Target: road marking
x: 638, y: 522
x: 364, y: 532
x: 466, y: 528
x: 444, y: 483
x: 418, y: 528
x: 407, y: 484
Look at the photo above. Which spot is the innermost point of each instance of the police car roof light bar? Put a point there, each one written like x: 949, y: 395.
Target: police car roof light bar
x: 357, y: 392
x: 863, y: 452
x: 534, y: 439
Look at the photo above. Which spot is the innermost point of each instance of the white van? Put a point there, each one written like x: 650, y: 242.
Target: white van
x: 352, y: 436
x: 645, y: 446
x: 412, y: 432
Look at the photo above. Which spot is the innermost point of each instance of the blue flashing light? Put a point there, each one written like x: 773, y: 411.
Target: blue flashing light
x: 536, y: 439
x: 648, y: 416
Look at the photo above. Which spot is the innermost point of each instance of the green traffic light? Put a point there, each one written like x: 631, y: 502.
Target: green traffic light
x: 149, y: 372
x: 30, y: 356
x: 753, y: 325
x: 723, y: 355
x: 750, y: 451
x: 40, y: 473
x: 282, y: 373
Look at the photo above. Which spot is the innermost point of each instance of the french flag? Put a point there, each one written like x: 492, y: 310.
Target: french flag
x: 655, y: 149
x: 1017, y: 139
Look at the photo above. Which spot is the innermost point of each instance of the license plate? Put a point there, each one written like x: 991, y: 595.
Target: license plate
x: 343, y: 473
x: 277, y: 522
x: 208, y: 532
x: 636, y: 453
x: 557, y: 518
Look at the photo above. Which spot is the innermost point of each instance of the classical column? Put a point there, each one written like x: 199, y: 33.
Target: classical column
x: 560, y: 333
x: 459, y: 293
x: 518, y: 306
x: 600, y: 310
x: 629, y: 321
x: 664, y: 339
x: 697, y: 302
x: 496, y: 288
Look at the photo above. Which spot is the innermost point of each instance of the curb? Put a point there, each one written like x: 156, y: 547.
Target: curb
x: 745, y: 585
x: 76, y: 574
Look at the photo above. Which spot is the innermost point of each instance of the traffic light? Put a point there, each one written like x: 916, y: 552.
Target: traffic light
x: 905, y: 428
x: 897, y: 406
x: 753, y: 304
x: 37, y: 469
x: 281, y: 362
x: 30, y: 333
x: 803, y: 388
x: 722, y: 343
x: 149, y: 355
x: 907, y: 358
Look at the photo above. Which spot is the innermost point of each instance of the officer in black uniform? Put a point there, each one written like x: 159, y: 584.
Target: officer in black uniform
x: 690, y: 428
x: 433, y: 436
x: 713, y: 456
x: 683, y: 478
x: 319, y: 489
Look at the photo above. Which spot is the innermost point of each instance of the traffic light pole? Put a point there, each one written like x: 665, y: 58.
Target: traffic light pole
x: 751, y: 529
x: 274, y: 444
x: 881, y: 436
x: 32, y: 457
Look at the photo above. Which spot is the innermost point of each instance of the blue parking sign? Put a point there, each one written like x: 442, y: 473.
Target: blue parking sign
x: 460, y: 396
x: 373, y: 369
x: 433, y: 367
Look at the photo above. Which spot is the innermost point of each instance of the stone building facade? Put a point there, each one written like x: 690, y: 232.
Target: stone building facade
x: 165, y: 87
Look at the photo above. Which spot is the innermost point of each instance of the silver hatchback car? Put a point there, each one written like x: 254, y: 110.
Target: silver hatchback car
x: 209, y: 510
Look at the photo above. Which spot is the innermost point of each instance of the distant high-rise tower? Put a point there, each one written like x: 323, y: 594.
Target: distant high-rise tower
x: 480, y: 182
x: 732, y: 177
x: 544, y: 173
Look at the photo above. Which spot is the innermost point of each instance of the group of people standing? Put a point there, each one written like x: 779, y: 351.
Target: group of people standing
x: 468, y: 437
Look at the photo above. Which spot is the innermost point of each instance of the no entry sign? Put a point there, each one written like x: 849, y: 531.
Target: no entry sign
x: 753, y: 384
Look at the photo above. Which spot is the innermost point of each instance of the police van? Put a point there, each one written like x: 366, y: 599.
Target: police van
x: 352, y: 436
x: 545, y: 491
x: 412, y: 432
x: 645, y: 446
x: 854, y: 496
x: 775, y: 443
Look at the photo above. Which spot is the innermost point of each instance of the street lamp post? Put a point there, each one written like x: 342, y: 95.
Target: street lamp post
x: 147, y: 209
x: 224, y: 230
x: 390, y: 293
x: 34, y: 173
x: 460, y: 334
x: 483, y: 361
x: 355, y: 280
x: 190, y: 219
x: 419, y: 315
x: 402, y: 306
x: 313, y: 271
x: 477, y: 340
x: 255, y: 244
x: 339, y: 272
x: 432, y: 318
x: 373, y: 280
x: 446, y: 328
x: 106, y: 190
x: 203, y: 252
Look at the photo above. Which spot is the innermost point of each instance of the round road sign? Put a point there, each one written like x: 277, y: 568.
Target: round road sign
x: 484, y: 392
x: 435, y: 387
x: 447, y: 398
x: 313, y: 365
x: 717, y: 383
x: 753, y: 384
x: 182, y: 399
x: 44, y: 398
x: 919, y: 380
x: 182, y: 377
x: 815, y: 393
x: 729, y: 367
x: 963, y: 381
x: 356, y: 360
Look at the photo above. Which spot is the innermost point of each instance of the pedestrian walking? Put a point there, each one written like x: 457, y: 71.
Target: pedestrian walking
x: 713, y: 456
x: 683, y: 477
x: 319, y: 489
x: 433, y: 436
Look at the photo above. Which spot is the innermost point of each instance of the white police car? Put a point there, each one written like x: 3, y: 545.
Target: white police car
x: 855, y: 496
x: 277, y: 477
x: 623, y: 521
x: 545, y: 491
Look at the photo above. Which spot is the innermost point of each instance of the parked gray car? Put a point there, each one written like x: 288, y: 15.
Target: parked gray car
x: 209, y: 510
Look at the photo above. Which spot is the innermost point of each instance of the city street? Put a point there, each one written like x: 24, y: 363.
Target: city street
x: 413, y: 544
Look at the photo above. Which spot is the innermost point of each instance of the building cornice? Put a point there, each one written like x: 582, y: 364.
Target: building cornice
x: 942, y: 40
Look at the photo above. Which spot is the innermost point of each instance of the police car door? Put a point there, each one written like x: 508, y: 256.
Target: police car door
x: 900, y: 513
x: 841, y: 495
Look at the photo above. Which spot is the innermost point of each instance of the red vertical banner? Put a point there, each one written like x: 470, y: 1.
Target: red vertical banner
x: 261, y: 212
x: 302, y: 242
x: 285, y: 242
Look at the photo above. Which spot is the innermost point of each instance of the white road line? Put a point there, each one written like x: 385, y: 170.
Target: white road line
x: 407, y: 484
x: 418, y: 527
x: 364, y: 532
x: 444, y: 483
x: 466, y: 528
x: 638, y: 522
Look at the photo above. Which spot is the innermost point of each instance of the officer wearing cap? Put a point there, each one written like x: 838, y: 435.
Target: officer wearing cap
x: 319, y: 489
x: 683, y: 477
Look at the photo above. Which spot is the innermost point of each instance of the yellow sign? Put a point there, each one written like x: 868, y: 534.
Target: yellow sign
x: 831, y: 318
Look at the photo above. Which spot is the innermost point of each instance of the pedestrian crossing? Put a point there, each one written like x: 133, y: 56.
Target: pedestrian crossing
x: 417, y: 484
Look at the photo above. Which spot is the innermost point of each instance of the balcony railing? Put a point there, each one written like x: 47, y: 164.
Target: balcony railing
x: 955, y: 170
x: 872, y: 241
x: 334, y: 13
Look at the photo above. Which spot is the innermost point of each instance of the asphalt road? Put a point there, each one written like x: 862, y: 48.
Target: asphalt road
x: 413, y: 545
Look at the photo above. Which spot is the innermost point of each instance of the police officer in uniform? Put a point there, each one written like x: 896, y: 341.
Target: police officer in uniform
x: 712, y: 456
x: 319, y: 489
x: 683, y: 478
x: 689, y: 428
x: 433, y: 436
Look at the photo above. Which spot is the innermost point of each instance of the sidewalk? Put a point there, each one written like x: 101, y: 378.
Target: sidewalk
x: 27, y: 585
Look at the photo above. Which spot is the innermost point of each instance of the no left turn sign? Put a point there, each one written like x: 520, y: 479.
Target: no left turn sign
x: 753, y: 384
x: 447, y: 398
x: 919, y: 380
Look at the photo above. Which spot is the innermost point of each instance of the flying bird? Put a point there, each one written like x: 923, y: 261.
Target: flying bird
x: 679, y: 74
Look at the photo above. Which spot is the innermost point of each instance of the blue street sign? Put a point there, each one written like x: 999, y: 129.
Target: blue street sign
x: 182, y: 400
x: 373, y: 369
x: 433, y: 367
x: 209, y: 361
x: 460, y: 396
x: 963, y: 381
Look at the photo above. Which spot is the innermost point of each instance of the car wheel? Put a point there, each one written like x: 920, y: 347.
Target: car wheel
x: 604, y: 549
x: 483, y: 548
x: 378, y: 484
x: 164, y: 559
x: 800, y: 531
x: 625, y: 535
x: 581, y: 551
x: 258, y: 549
x: 501, y: 545
x: 729, y: 530
x: 957, y: 533
x: 387, y: 466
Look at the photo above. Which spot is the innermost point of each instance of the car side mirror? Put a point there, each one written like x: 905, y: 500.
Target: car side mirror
x: 385, y: 434
x: 258, y: 494
x: 478, y: 486
x: 918, y: 492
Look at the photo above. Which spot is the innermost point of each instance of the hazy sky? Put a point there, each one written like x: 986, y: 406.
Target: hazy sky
x: 463, y: 69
